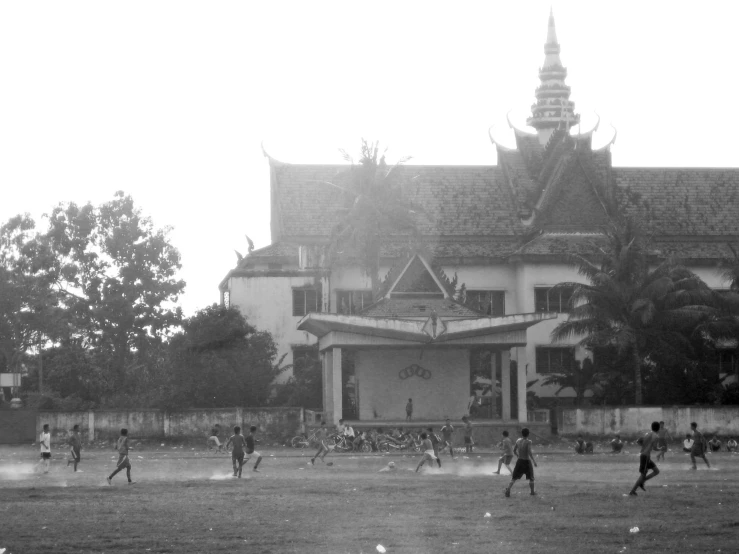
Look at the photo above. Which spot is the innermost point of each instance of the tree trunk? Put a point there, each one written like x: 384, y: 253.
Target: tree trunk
x: 40, y: 368
x: 637, y: 377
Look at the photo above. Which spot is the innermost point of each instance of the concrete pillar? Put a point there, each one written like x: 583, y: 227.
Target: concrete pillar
x: 337, y: 386
x: 328, y: 387
x: 521, y: 380
x: 505, y: 383
x: 91, y: 426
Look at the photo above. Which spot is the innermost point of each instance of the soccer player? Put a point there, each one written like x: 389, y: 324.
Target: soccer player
x: 428, y: 451
x: 731, y: 445
x: 446, y: 437
x: 123, y: 461
x: 75, y: 444
x: 617, y: 444
x: 321, y: 437
x: 467, y: 435
x: 688, y: 443
x: 435, y: 441
x: 523, y: 466
x: 648, y: 443
x: 45, y: 442
x: 663, y: 435
x: 237, y: 454
x: 250, y: 451
x: 409, y: 410
x: 714, y: 444
x: 213, y: 438
x: 505, y: 459
x: 699, y: 446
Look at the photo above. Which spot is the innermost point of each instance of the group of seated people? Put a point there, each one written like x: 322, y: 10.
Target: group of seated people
x: 582, y: 446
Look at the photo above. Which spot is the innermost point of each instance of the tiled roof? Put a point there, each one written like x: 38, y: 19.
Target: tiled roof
x: 561, y: 243
x: 451, y: 200
x: 681, y: 201
x: 287, y: 252
x: 417, y: 307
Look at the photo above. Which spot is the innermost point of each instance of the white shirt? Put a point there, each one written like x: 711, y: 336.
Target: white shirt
x: 45, y: 440
x: 348, y: 431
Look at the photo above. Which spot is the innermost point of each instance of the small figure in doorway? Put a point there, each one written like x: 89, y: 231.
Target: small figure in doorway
x: 409, y: 410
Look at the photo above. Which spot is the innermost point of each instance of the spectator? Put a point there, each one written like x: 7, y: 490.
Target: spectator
x: 580, y: 445
x: 714, y: 444
x: 731, y: 445
x: 688, y: 443
x: 617, y: 444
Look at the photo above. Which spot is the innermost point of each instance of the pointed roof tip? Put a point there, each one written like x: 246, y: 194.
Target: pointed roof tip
x: 551, y: 30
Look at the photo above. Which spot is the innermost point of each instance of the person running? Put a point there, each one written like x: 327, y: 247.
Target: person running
x: 617, y: 444
x: 525, y: 464
x: 123, y: 461
x: 250, y: 451
x: 467, y: 435
x: 213, y: 439
x: 435, y: 442
x: 323, y: 448
x: 446, y: 437
x: 648, y: 443
x: 699, y: 446
x: 237, y: 454
x: 664, y: 436
x: 428, y: 452
x: 409, y: 410
x: 45, y: 442
x: 688, y: 443
x: 75, y: 444
x: 507, y: 447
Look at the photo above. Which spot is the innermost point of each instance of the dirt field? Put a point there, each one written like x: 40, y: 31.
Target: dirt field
x: 185, y: 501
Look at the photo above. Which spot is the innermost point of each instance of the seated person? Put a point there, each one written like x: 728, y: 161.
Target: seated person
x: 617, y: 444
x: 688, y: 443
x: 714, y: 444
x: 580, y: 445
x: 588, y: 447
x: 213, y: 438
x: 731, y: 445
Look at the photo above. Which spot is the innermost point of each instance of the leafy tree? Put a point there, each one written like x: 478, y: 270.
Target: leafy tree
x: 220, y: 360
x: 629, y: 305
x: 117, y: 274
x: 305, y: 387
x: 580, y: 377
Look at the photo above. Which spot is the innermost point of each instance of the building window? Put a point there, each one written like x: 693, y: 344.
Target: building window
x: 554, y: 360
x: 306, y: 301
x: 490, y: 302
x: 352, y: 301
x: 549, y: 299
x: 227, y: 299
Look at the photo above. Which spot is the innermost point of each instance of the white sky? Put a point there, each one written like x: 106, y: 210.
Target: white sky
x: 170, y: 100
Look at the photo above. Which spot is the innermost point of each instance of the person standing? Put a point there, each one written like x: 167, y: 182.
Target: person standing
x: 663, y: 437
x: 435, y: 442
x: 250, y: 447
x: 237, y: 454
x: 525, y: 464
x: 698, y: 450
x: 45, y: 442
x: 75, y: 445
x: 648, y: 442
x: 123, y: 461
x: 467, y: 435
x: 446, y: 437
x: 409, y: 410
x: 507, y: 457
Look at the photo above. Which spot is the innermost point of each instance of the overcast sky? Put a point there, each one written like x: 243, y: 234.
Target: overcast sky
x: 170, y: 100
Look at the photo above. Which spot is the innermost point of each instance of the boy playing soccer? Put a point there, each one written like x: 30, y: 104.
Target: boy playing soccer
x: 648, y: 443
x: 75, y: 443
x: 45, y: 441
x: 446, y: 437
x: 435, y: 441
x: 524, y: 463
x: 250, y: 452
x: 123, y: 461
x: 428, y: 452
x: 321, y: 437
x: 237, y: 454
x: 467, y: 435
x: 505, y: 459
x: 662, y: 435
x: 698, y: 450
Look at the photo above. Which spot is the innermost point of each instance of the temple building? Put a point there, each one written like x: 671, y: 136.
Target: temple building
x: 501, y: 233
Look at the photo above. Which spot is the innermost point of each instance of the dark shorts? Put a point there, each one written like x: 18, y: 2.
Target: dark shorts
x: 46, y: 455
x: 507, y: 458
x: 697, y: 452
x: 661, y: 444
x: 617, y: 447
x: 645, y: 464
x: 523, y: 467
x: 468, y: 440
x: 237, y: 457
x: 76, y: 453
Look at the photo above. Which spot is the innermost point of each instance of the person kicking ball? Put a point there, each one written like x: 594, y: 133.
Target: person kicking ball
x: 525, y: 464
x: 648, y: 442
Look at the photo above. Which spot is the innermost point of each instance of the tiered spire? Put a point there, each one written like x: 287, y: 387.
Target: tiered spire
x: 553, y: 109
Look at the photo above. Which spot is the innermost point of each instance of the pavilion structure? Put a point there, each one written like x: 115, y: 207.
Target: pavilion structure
x: 415, y: 343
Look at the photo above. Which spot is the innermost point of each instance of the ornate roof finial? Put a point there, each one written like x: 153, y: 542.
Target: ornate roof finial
x: 553, y: 109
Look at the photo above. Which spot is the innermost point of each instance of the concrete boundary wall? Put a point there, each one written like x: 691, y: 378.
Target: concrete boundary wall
x: 633, y: 420
x: 279, y: 423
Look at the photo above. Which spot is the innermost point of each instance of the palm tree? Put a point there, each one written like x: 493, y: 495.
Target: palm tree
x: 376, y: 209
x: 635, y: 308
x: 581, y: 377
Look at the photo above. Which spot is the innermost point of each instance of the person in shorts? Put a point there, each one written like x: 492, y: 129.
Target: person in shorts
x: 237, y: 454
x: 213, y: 440
x: 648, y: 443
x: 75, y: 444
x: 507, y: 447
x: 435, y: 442
x: 664, y: 436
x: 123, y: 461
x: 688, y: 443
x: 250, y: 451
x: 428, y: 452
x: 323, y: 447
x: 699, y: 447
x: 446, y: 437
x: 45, y: 442
x: 525, y: 464
x: 467, y: 434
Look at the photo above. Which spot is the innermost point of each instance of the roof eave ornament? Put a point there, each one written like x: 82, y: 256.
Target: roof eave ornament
x: 519, y: 132
x: 496, y: 143
x: 610, y: 142
x: 588, y: 134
